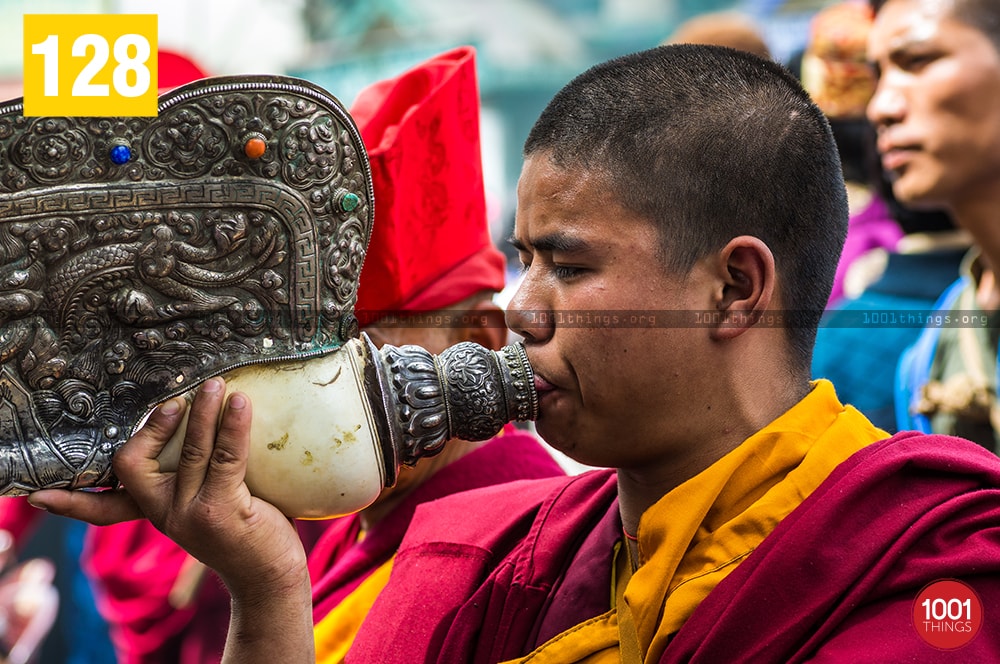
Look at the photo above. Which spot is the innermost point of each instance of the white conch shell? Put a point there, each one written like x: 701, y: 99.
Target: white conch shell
x: 314, y: 450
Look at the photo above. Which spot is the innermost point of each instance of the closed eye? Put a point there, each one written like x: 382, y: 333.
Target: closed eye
x: 566, y: 272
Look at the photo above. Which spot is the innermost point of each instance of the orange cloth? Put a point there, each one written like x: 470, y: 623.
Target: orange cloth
x: 699, y: 532
x: 335, y: 633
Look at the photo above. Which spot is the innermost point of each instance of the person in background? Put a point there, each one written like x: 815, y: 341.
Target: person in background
x: 837, y: 76
x: 724, y: 28
x: 743, y: 513
x: 895, y: 260
x: 430, y: 258
x: 29, y: 604
x: 936, y: 110
x: 861, y: 339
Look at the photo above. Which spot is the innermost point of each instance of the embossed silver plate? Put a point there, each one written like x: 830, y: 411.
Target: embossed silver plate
x: 141, y: 256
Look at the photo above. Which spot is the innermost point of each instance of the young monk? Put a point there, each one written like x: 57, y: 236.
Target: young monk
x: 746, y: 514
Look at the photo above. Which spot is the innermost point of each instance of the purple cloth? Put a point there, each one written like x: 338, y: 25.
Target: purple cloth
x: 872, y: 228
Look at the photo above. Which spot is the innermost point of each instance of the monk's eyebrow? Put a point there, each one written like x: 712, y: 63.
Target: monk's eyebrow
x: 553, y: 242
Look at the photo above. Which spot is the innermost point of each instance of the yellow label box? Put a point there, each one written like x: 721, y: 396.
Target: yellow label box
x: 90, y: 64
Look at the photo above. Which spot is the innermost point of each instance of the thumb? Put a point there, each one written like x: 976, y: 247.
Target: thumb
x: 138, y: 457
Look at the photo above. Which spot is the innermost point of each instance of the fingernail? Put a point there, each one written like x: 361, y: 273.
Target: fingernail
x: 35, y: 502
x: 170, y: 408
x: 237, y: 402
x: 212, y: 385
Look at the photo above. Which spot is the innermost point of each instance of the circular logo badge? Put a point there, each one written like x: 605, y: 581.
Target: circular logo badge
x: 947, y: 614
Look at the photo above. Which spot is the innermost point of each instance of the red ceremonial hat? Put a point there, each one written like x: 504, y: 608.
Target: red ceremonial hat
x: 430, y: 245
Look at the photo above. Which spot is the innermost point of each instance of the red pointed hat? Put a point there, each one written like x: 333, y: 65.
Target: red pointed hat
x: 430, y: 245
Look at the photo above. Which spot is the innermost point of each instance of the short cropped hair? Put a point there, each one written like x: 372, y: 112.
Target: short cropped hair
x: 709, y: 143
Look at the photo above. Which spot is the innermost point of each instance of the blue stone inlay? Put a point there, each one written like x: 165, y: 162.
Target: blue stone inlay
x: 120, y: 154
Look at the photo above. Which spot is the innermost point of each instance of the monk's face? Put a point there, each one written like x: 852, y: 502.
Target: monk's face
x: 617, y: 381
x: 937, y: 105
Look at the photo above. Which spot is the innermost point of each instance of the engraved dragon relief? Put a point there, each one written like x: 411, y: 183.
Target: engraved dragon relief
x: 124, y: 281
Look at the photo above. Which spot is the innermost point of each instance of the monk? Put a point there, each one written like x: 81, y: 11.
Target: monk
x: 746, y: 514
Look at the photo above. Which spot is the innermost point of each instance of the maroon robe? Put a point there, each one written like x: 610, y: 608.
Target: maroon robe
x: 339, y: 563
x: 836, y: 579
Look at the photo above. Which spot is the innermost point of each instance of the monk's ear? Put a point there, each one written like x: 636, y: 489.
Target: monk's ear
x: 484, y: 324
x: 746, y: 278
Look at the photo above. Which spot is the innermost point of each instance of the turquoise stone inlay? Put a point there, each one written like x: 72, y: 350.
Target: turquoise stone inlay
x: 349, y: 201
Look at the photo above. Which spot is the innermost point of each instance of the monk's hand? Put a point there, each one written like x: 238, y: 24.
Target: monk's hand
x: 205, y: 506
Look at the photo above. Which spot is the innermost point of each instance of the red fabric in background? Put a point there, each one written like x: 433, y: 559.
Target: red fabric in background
x: 134, y: 567
x: 174, y: 69
x: 19, y: 518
